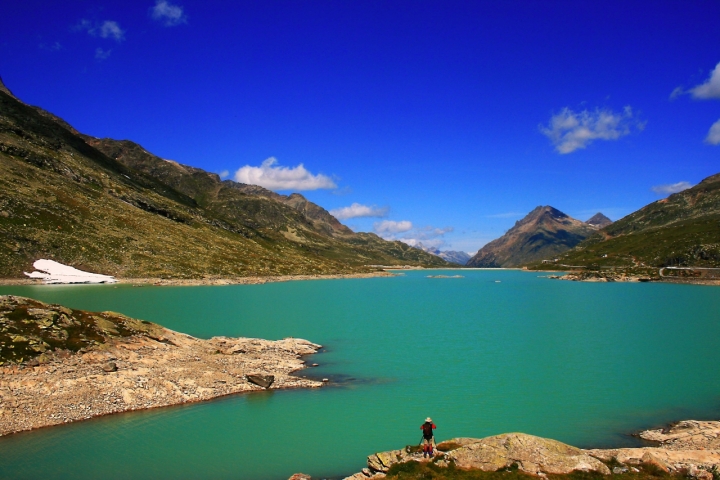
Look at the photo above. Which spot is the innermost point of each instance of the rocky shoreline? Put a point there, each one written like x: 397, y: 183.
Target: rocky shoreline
x: 623, y: 277
x: 220, y: 280
x: 689, y: 448
x: 59, y: 365
x: 601, y: 277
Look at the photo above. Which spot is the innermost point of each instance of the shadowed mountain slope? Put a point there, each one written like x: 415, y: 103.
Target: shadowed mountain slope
x: 681, y: 230
x: 114, y: 208
x: 543, y: 233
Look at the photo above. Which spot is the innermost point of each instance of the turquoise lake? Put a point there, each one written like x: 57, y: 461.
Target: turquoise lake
x: 493, y: 352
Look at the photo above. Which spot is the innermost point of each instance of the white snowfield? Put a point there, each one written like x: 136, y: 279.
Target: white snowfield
x: 54, y: 272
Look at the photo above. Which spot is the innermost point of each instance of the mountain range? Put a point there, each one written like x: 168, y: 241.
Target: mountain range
x: 112, y: 207
x: 543, y: 233
x: 451, y: 256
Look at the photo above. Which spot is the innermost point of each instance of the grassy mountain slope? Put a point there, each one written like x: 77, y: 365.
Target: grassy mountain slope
x: 681, y: 230
x: 293, y: 216
x: 543, y: 233
x: 63, y: 199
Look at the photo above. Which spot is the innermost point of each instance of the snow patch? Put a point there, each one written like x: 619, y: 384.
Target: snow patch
x: 55, y: 272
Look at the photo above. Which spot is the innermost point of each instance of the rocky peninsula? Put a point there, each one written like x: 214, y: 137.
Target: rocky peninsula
x: 688, y: 449
x: 605, y: 276
x: 60, y: 365
x: 619, y: 276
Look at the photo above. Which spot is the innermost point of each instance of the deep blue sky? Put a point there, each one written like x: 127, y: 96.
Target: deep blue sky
x: 436, y: 115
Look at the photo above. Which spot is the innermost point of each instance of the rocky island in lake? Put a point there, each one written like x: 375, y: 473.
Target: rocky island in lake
x: 60, y: 365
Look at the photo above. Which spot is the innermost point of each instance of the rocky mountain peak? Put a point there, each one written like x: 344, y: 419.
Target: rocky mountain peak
x: 599, y: 220
x: 543, y: 233
x: 540, y: 212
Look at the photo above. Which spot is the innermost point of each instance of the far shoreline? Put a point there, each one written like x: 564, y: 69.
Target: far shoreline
x: 385, y: 271
x: 217, y: 281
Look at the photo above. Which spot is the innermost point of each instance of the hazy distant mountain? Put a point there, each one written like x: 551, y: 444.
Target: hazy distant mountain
x: 681, y: 230
x: 599, y: 220
x: 543, y: 233
x: 454, y: 256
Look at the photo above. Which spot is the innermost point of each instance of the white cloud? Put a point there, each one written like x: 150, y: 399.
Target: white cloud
x: 101, y: 54
x: 676, y: 93
x: 52, y: 48
x: 108, y: 29
x: 274, y: 177
x: 432, y: 232
x: 709, y: 89
x: 432, y: 245
x: 671, y: 188
x: 388, y: 228
x: 713, y: 136
x: 570, y: 131
x: 84, y: 25
x: 426, y: 237
x: 224, y: 174
x: 357, y: 210
x: 168, y: 13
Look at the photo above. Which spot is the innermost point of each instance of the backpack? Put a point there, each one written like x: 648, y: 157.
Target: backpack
x: 427, y: 430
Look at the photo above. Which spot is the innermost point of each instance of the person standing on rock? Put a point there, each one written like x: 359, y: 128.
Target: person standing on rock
x: 428, y: 440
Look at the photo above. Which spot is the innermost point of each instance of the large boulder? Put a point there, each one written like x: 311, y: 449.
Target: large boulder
x: 531, y: 454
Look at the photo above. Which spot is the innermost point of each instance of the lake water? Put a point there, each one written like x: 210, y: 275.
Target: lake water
x: 493, y: 352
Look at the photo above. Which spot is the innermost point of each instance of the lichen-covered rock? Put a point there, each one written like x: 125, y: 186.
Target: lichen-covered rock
x: 381, y: 462
x: 688, y: 434
x: 357, y: 476
x: 532, y: 454
x: 652, y: 459
x: 672, y: 459
x: 300, y: 476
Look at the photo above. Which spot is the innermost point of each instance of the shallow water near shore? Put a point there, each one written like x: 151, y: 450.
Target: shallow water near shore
x: 584, y: 363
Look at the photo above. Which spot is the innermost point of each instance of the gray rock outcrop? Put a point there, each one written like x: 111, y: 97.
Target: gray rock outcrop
x: 532, y: 454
